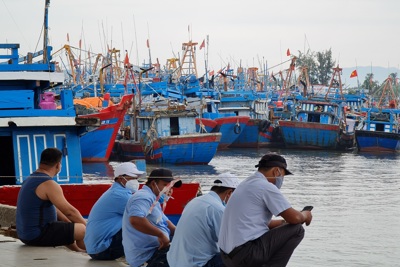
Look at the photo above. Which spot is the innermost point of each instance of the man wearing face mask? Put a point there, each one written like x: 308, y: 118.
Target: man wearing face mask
x: 146, y: 230
x: 248, y: 235
x: 196, y: 235
x: 103, y: 236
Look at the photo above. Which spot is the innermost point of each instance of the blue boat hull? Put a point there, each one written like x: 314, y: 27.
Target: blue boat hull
x: 253, y: 135
x: 191, y: 149
x: 372, y: 141
x: 309, y: 135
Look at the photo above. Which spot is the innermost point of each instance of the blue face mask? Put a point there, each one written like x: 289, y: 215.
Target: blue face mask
x: 161, y: 199
x: 279, y: 180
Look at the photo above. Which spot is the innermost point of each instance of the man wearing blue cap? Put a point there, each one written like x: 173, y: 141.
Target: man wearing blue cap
x: 248, y: 235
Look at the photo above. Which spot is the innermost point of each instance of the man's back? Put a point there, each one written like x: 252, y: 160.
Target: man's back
x: 32, y: 212
x: 196, y: 235
x: 105, y: 218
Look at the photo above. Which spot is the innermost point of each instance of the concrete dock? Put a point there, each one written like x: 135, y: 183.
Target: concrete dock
x: 14, y: 253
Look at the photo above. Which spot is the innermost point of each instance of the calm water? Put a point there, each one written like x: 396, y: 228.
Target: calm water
x: 356, y: 199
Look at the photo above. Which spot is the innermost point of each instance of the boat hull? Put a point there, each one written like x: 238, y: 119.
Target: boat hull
x: 97, y: 145
x: 309, y: 135
x: 188, y: 149
x: 230, y: 128
x: 375, y: 141
x: 84, y: 196
x: 257, y: 133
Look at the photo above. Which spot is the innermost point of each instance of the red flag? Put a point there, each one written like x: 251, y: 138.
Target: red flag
x: 203, y: 44
x: 67, y: 37
x: 148, y: 43
x: 288, y: 52
x: 126, y: 61
x: 80, y: 43
x: 353, y: 74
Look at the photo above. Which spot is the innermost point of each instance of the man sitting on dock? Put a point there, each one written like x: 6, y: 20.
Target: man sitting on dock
x: 103, y: 238
x: 196, y: 235
x: 248, y: 236
x: 146, y: 230
x: 44, y: 217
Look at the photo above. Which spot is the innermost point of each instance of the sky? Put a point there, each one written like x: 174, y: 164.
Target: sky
x: 245, y: 32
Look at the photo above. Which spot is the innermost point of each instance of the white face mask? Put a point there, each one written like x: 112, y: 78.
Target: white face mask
x: 279, y: 180
x: 132, y: 185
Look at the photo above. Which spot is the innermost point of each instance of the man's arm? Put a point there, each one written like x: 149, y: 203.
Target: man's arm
x: 53, y: 192
x: 293, y: 216
x: 143, y: 225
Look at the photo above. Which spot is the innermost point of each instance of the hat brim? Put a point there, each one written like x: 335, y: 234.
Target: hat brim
x: 287, y: 172
x: 176, y: 185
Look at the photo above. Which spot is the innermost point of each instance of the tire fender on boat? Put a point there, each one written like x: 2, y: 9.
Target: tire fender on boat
x: 237, y: 129
x: 264, y: 126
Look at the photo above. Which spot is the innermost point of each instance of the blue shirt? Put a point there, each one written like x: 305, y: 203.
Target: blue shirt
x: 196, y: 235
x: 33, y: 213
x: 105, y: 218
x: 140, y: 247
x: 249, y: 211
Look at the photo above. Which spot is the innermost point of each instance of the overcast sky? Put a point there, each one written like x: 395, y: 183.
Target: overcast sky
x: 361, y: 32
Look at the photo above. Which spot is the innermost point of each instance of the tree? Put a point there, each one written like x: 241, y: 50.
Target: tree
x: 319, y: 65
x: 369, y: 83
x: 324, y: 66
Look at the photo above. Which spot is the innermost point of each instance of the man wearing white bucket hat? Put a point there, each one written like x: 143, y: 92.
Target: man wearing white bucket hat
x: 103, y: 236
x: 196, y: 234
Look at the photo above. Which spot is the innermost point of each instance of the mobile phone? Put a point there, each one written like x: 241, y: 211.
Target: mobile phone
x: 309, y: 208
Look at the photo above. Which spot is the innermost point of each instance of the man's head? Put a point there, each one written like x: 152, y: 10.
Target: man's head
x: 274, y: 168
x: 159, y: 178
x: 50, y: 160
x: 125, y: 172
x: 224, y: 185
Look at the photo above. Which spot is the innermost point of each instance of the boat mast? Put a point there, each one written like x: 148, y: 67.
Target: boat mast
x: 46, y: 29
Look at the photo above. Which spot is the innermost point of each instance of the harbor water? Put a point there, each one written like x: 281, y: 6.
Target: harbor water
x: 356, y: 199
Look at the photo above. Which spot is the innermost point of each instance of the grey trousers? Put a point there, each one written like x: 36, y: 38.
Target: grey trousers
x: 273, y: 249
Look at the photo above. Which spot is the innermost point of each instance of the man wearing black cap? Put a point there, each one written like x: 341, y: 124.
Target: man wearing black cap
x: 146, y: 230
x: 248, y: 236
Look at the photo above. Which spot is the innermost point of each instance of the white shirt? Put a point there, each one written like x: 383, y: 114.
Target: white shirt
x: 249, y: 211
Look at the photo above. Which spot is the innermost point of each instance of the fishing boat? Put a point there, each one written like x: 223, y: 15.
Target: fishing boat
x: 97, y: 143
x: 381, y: 130
x: 167, y: 134
x: 31, y: 121
x: 319, y: 123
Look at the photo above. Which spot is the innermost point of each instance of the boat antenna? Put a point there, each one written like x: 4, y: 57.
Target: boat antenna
x: 148, y: 43
x: 46, y: 29
x: 137, y: 51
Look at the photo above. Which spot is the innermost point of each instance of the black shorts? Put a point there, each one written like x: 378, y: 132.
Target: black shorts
x: 54, y: 234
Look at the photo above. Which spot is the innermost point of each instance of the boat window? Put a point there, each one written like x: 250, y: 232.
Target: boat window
x: 380, y: 127
x: 174, y: 125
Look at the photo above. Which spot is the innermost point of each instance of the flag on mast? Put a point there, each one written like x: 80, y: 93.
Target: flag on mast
x: 148, y: 43
x: 203, y: 44
x: 353, y: 74
x: 288, y: 52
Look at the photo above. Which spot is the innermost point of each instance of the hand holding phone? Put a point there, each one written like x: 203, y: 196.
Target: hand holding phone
x: 309, y: 208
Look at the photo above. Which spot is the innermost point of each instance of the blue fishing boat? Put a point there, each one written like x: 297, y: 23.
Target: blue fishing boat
x: 167, y: 134
x: 97, y: 143
x: 381, y: 130
x: 31, y: 119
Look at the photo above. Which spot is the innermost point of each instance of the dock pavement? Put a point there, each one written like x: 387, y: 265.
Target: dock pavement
x: 14, y: 253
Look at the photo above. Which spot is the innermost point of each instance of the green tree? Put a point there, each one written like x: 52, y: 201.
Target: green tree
x: 308, y: 60
x: 369, y: 83
x: 325, y: 64
x: 319, y: 65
